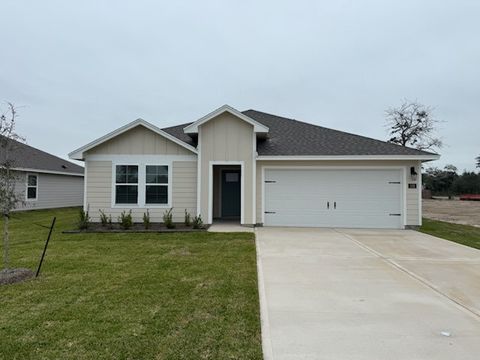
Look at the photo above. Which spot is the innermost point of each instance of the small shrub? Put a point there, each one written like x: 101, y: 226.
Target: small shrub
x: 168, y: 219
x: 83, y: 220
x: 125, y: 220
x: 146, y: 220
x: 198, y: 222
x: 103, y: 218
x: 109, y: 222
x: 188, y: 218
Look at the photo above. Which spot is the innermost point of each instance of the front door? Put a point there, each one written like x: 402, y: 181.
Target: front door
x: 231, y: 194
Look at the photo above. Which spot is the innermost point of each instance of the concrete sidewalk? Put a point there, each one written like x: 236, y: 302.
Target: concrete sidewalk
x: 367, y: 294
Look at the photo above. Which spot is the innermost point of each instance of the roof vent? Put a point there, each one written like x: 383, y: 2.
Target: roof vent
x: 64, y: 166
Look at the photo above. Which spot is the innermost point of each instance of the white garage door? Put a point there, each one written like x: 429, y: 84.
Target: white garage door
x: 333, y: 198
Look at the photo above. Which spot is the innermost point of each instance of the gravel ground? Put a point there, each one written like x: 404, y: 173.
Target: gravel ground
x: 454, y: 211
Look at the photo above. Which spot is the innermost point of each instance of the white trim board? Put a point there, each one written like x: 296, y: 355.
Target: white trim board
x: 210, y: 188
x: 348, y: 157
x: 78, y: 154
x: 257, y: 127
x: 46, y: 171
x: 139, y: 157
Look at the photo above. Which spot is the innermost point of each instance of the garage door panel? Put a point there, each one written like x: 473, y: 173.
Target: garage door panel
x: 355, y: 198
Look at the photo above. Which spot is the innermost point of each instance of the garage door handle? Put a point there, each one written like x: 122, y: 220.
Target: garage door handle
x: 335, y: 205
x: 270, y: 212
x: 328, y: 204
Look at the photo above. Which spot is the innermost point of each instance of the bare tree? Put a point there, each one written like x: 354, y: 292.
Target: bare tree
x: 412, y: 124
x: 9, y: 198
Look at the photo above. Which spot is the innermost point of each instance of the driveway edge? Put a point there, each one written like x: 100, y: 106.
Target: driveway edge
x: 265, y: 324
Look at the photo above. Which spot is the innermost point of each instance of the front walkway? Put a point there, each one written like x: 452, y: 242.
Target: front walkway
x: 367, y: 294
x: 229, y: 226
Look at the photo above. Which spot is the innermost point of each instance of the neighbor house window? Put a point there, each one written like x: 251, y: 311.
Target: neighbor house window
x: 32, y: 187
x: 156, y: 184
x: 126, y: 184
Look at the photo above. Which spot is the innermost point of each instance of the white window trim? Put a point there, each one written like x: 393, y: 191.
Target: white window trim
x: 27, y: 186
x: 141, y: 201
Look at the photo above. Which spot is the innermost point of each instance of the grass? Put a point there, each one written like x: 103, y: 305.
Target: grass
x: 462, y: 234
x: 129, y: 296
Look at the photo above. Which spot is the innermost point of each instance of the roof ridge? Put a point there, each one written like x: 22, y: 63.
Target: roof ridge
x: 340, y: 131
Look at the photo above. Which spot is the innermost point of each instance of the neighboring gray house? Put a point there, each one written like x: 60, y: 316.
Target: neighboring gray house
x: 46, y: 181
x: 255, y: 168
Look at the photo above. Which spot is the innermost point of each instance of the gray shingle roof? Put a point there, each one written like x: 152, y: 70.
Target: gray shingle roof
x: 293, y: 137
x: 28, y: 157
x: 296, y: 138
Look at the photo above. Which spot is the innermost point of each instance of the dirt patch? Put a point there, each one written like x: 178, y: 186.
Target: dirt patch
x: 454, y: 211
x: 11, y: 276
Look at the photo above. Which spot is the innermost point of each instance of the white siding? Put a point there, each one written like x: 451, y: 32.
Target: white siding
x: 99, y: 192
x: 227, y: 138
x: 139, y: 141
x: 53, y: 191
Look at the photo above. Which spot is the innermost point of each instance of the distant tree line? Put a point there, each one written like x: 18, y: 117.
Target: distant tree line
x: 448, y: 182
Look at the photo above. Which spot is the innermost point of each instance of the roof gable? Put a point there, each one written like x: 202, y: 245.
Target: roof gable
x: 257, y: 127
x: 80, y: 152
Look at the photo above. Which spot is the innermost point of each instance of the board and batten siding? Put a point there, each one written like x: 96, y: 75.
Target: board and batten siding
x: 412, y: 196
x: 146, y: 147
x: 139, y: 140
x: 53, y: 191
x: 224, y: 139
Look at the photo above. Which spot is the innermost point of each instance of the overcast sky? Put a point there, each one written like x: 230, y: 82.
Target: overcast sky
x: 78, y: 70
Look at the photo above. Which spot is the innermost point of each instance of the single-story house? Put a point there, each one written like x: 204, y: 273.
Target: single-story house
x: 255, y: 168
x: 43, y: 180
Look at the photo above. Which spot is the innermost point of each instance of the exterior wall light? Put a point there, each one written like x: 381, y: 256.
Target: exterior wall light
x: 413, y: 173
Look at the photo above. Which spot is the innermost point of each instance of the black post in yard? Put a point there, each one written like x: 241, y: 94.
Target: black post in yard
x: 45, y: 248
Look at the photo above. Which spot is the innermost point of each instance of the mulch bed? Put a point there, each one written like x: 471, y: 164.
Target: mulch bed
x: 11, y: 276
x: 136, y: 228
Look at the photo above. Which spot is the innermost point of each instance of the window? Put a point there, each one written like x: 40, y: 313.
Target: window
x: 126, y: 184
x: 32, y: 187
x: 156, y: 184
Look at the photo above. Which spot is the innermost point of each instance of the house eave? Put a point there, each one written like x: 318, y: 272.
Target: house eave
x: 42, y: 171
x: 348, y: 157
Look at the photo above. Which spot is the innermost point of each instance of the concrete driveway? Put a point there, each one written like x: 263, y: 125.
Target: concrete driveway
x: 367, y: 294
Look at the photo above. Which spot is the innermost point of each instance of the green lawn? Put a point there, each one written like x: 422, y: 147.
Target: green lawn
x: 130, y: 296
x: 462, y: 234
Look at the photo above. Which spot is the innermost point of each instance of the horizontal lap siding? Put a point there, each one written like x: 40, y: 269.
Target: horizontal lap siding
x: 53, y: 191
x: 99, y: 190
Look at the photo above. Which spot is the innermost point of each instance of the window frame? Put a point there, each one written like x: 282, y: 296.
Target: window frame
x: 142, y: 184
x: 29, y: 186
x: 167, y: 184
x: 115, y: 184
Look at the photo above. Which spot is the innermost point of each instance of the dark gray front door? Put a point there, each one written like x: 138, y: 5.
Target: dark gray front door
x: 230, y: 193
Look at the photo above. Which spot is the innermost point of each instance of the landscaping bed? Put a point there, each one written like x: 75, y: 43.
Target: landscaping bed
x: 136, y: 228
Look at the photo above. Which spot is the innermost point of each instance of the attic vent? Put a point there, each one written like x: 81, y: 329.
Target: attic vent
x: 64, y: 166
